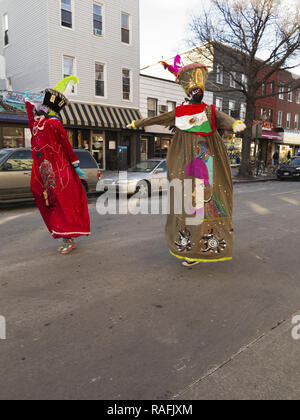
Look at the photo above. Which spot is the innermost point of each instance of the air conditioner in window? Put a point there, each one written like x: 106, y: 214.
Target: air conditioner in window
x: 163, y: 109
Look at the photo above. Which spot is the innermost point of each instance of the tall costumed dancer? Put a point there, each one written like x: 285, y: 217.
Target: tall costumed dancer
x: 56, y: 176
x: 203, y: 232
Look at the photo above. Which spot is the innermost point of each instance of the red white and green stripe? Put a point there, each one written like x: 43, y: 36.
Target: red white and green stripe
x: 193, y: 119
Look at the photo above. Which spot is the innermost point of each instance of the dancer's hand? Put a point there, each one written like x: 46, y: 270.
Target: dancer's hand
x: 80, y: 173
x: 129, y: 126
x: 239, y: 126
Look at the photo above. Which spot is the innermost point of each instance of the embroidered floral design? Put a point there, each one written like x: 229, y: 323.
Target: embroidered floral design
x: 48, y: 177
x: 213, y: 243
x: 184, y: 241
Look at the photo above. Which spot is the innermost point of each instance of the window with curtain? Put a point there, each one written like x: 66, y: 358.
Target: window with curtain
x: 99, y: 82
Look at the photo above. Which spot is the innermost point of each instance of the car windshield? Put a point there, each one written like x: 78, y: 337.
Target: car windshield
x: 147, y: 166
x: 295, y: 162
x: 3, y: 154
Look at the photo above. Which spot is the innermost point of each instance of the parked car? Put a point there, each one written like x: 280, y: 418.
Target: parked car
x: 139, y: 178
x: 15, y: 174
x: 289, y: 170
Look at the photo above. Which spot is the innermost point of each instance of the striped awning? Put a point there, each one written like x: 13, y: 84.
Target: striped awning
x: 100, y: 116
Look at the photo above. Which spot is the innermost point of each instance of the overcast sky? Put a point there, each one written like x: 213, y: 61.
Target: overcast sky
x: 164, y: 25
x: 164, y: 28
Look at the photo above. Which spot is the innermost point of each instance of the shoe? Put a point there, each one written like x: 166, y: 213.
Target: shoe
x: 190, y: 263
x: 67, y: 247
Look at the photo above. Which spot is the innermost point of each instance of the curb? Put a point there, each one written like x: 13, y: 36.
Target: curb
x: 253, y: 181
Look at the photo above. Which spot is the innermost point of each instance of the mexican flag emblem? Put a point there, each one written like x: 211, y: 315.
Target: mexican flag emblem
x: 193, y: 119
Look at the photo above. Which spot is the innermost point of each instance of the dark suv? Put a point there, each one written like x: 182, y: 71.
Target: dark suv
x: 15, y: 174
x: 290, y: 170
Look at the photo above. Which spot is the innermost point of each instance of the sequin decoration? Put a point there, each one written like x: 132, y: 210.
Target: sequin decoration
x: 212, y: 243
x: 184, y: 241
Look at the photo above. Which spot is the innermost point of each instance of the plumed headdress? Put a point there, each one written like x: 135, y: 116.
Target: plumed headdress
x: 55, y: 99
x: 190, y: 77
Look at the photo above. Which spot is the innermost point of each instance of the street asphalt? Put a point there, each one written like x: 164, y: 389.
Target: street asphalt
x: 120, y: 318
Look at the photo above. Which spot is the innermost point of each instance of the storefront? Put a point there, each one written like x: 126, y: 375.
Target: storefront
x: 96, y: 128
x: 290, y: 144
x: 154, y: 146
x: 101, y: 130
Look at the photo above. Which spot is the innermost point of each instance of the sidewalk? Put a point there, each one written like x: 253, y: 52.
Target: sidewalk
x: 266, y: 369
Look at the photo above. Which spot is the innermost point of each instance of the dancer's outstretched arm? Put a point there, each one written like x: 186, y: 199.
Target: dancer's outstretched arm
x: 30, y: 111
x: 167, y: 119
x: 229, y: 123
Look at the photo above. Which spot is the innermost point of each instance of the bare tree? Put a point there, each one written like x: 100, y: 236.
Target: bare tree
x: 255, y: 37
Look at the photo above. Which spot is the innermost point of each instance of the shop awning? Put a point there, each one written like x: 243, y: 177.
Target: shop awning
x: 100, y: 116
x: 272, y: 135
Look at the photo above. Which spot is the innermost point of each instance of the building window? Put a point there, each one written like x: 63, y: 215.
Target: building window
x: 5, y: 29
x: 97, y: 19
x: 281, y: 92
x: 271, y: 113
x: 69, y: 69
x: 288, y: 120
x: 126, y: 84
x: 232, y: 78
x: 66, y: 13
x: 220, y: 74
x: 171, y: 106
x: 99, y: 82
x: 219, y: 104
x: 232, y: 105
x: 263, y: 89
x: 298, y: 96
x: 262, y: 113
x: 279, y: 120
x: 125, y: 29
x: 243, y: 111
x: 272, y: 88
x: 296, y: 121
x: 290, y: 95
x: 152, y: 107
x: 245, y: 81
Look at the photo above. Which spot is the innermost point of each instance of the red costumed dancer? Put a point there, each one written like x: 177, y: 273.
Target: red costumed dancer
x: 55, y: 180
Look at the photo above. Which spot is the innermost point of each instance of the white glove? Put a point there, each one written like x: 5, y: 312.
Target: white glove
x: 129, y: 126
x: 239, y: 127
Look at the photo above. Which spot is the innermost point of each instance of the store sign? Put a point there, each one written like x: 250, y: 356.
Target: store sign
x: 112, y: 145
x: 266, y: 125
x: 15, y: 101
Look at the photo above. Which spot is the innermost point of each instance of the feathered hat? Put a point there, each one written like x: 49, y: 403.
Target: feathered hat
x: 55, y: 99
x: 190, y: 77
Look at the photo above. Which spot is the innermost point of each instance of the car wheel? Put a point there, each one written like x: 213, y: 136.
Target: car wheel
x: 144, y: 189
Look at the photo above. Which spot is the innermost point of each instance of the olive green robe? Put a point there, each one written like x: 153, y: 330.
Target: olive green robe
x: 191, y: 155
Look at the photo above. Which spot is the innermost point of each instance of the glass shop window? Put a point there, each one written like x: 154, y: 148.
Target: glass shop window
x: 12, y: 138
x: 161, y: 147
x: 126, y: 84
x: 97, y: 19
x: 125, y: 28
x: 21, y: 161
x: 152, y: 107
x: 99, y: 82
x: 66, y: 13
